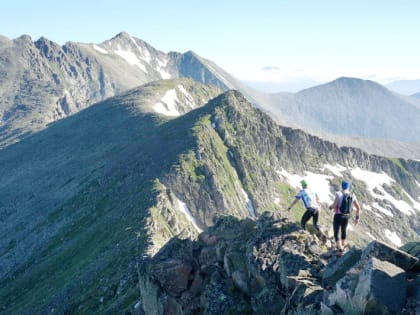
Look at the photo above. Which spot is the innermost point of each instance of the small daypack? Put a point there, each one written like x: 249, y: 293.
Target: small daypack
x: 346, y: 204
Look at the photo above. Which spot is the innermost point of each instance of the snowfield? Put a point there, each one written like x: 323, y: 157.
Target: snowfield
x: 182, y: 206
x: 167, y: 104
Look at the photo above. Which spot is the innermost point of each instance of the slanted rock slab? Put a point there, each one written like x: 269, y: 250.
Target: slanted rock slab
x: 395, y: 256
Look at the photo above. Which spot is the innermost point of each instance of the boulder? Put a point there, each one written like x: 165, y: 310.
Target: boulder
x: 413, y: 292
x: 372, y: 287
x: 305, y: 299
x: 338, y: 268
x: 234, y: 261
x: 150, y: 294
x: 413, y: 248
x: 171, y: 267
x: 173, y: 275
x: 291, y: 263
x: 393, y: 255
x: 241, y: 282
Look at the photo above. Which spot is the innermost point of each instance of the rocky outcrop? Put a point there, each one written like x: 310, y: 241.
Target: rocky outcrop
x: 270, y: 266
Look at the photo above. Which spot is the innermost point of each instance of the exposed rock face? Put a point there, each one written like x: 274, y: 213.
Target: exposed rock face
x: 372, y: 287
x: 269, y: 266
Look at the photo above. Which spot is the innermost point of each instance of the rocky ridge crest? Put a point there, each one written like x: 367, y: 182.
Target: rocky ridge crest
x: 271, y: 266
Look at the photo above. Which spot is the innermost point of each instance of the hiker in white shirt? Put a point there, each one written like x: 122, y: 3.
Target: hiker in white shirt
x: 311, y: 202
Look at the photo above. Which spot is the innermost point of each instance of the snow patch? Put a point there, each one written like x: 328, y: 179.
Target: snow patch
x: 167, y: 104
x: 416, y: 204
x: 393, y: 237
x: 366, y: 207
x: 248, y: 204
x: 375, y: 212
x: 161, y: 69
x: 382, y: 209
x: 186, y: 211
x: 144, y: 53
x: 130, y: 57
x: 337, y: 170
x: 372, y: 179
x: 277, y: 201
x: 376, y: 181
x: 101, y: 50
x: 319, y: 183
x: 188, y: 96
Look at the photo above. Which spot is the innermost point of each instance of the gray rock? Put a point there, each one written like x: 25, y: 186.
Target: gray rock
x: 372, y: 287
x: 413, y: 248
x: 291, y: 263
x: 234, y: 261
x: 305, y: 299
x: 241, y: 281
x: 337, y: 269
x: 395, y: 256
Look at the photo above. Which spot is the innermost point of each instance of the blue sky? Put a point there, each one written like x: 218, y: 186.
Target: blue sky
x: 305, y: 40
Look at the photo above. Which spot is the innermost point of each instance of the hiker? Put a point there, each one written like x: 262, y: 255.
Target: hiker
x: 311, y: 202
x: 342, y: 206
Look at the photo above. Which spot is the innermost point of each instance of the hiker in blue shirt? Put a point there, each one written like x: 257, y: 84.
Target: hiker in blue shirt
x: 311, y: 202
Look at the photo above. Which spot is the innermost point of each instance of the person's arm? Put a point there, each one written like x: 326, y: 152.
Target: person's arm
x: 335, y: 203
x: 293, y: 203
x: 358, y: 210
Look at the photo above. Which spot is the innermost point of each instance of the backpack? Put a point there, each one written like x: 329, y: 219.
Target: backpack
x: 346, y: 204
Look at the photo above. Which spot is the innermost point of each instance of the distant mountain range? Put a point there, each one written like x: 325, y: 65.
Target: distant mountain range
x: 350, y: 107
x: 405, y: 87
x: 41, y: 82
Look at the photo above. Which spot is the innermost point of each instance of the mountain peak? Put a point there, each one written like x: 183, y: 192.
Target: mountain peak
x: 352, y: 80
x: 122, y: 36
x: 354, y: 83
x: 44, y: 41
x: 24, y: 38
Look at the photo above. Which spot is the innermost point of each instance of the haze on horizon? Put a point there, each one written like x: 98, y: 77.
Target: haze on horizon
x: 281, y: 45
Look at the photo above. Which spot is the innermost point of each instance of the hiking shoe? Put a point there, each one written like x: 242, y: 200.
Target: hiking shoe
x: 303, y: 227
x: 340, y: 251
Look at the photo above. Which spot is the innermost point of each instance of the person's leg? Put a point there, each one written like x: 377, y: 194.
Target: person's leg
x: 336, y: 227
x: 344, y: 223
x: 315, y: 216
x: 305, y: 218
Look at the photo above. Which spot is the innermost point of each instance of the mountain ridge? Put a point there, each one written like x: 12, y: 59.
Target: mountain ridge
x: 57, y: 81
x: 50, y: 82
x: 82, y: 199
